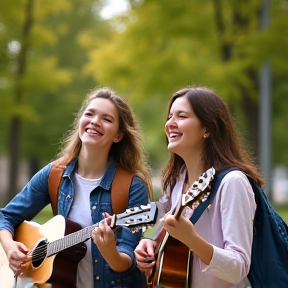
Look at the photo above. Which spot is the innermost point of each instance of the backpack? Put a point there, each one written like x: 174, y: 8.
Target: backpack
x: 119, y: 190
x: 269, y: 258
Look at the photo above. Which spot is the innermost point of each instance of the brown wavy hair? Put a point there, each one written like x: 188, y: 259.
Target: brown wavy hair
x: 128, y: 153
x: 222, y: 149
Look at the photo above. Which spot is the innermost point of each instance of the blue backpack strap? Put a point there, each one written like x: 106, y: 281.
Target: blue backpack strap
x: 214, y: 187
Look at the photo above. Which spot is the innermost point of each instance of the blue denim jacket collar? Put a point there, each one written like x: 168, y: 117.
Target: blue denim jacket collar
x: 106, y: 181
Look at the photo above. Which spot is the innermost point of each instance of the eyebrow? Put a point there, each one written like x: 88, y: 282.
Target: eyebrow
x: 179, y: 111
x: 95, y: 110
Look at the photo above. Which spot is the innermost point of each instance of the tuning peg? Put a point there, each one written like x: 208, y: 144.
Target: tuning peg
x: 133, y: 229
x: 205, y: 197
x: 145, y: 207
x: 195, y: 185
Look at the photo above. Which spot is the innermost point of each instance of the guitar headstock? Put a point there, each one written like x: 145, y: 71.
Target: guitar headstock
x: 199, y: 191
x: 136, y: 218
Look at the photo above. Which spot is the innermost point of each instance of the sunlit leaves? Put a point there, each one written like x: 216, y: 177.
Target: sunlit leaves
x: 168, y: 44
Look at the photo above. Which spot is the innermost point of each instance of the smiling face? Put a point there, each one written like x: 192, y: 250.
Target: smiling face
x: 99, y: 125
x: 184, y: 131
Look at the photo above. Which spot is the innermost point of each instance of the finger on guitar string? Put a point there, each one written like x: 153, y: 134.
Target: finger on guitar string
x: 146, y: 267
x: 108, y: 233
x: 169, y: 220
x: 149, y: 261
x: 106, y: 215
x: 19, y: 269
x: 144, y: 254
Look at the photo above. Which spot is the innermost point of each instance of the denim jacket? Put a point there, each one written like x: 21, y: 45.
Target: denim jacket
x: 35, y: 196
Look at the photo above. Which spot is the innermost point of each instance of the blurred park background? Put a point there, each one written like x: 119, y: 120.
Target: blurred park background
x: 53, y: 54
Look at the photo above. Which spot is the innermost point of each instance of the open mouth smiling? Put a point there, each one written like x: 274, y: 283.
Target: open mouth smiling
x: 174, y: 135
x: 92, y: 131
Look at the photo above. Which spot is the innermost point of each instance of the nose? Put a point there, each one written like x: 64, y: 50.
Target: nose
x: 95, y: 120
x: 170, y: 122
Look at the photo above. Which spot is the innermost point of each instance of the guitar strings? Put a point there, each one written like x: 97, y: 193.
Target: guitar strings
x: 40, y: 252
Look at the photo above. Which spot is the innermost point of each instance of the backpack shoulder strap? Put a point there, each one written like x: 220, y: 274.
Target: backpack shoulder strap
x: 214, y: 187
x: 54, y: 182
x: 120, y: 190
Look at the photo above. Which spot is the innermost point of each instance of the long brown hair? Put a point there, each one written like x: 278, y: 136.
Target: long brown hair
x: 128, y: 153
x: 222, y: 149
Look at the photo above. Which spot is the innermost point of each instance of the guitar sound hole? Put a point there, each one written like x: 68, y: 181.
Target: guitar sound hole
x: 39, y: 254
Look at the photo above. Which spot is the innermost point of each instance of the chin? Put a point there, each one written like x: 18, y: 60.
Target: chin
x: 172, y: 148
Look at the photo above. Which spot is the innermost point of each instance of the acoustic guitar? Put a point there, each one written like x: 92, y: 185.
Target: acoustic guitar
x: 54, y: 257
x: 173, y: 257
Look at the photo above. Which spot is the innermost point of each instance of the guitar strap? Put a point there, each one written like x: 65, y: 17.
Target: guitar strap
x: 119, y: 190
x: 214, y: 187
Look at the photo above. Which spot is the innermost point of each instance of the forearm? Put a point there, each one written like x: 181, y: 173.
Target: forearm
x: 119, y: 262
x: 201, y: 248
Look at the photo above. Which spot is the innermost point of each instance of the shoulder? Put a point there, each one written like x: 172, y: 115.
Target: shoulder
x: 43, y: 172
x: 235, y: 185
x: 235, y: 177
x: 137, y: 182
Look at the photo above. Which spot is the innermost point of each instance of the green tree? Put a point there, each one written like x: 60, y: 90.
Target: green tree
x: 69, y: 30
x: 164, y: 45
x: 41, y: 75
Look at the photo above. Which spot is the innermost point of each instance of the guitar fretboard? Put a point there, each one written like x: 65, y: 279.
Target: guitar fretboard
x: 70, y: 240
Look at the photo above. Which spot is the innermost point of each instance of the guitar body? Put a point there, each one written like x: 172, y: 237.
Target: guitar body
x: 66, y: 262
x: 57, y: 246
x: 59, y: 270
x: 172, y: 266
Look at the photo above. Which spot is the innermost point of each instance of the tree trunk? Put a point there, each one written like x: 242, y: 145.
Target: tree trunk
x: 250, y: 105
x: 15, y: 126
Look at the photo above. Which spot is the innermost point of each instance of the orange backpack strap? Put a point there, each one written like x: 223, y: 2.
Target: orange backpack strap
x: 120, y: 190
x: 54, y: 182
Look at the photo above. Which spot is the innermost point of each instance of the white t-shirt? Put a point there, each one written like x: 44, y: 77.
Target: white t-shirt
x: 80, y: 212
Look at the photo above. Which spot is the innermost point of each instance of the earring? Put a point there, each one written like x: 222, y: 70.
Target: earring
x: 205, y: 135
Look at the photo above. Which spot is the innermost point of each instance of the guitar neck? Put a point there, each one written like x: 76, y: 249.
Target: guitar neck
x: 178, y: 211
x: 132, y: 218
x: 70, y: 240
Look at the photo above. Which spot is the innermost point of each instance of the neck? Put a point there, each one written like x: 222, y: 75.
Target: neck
x: 90, y: 166
x: 194, y: 169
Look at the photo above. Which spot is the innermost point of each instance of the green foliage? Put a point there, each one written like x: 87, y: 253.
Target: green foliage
x: 168, y: 44
x: 53, y: 84
x: 145, y: 55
